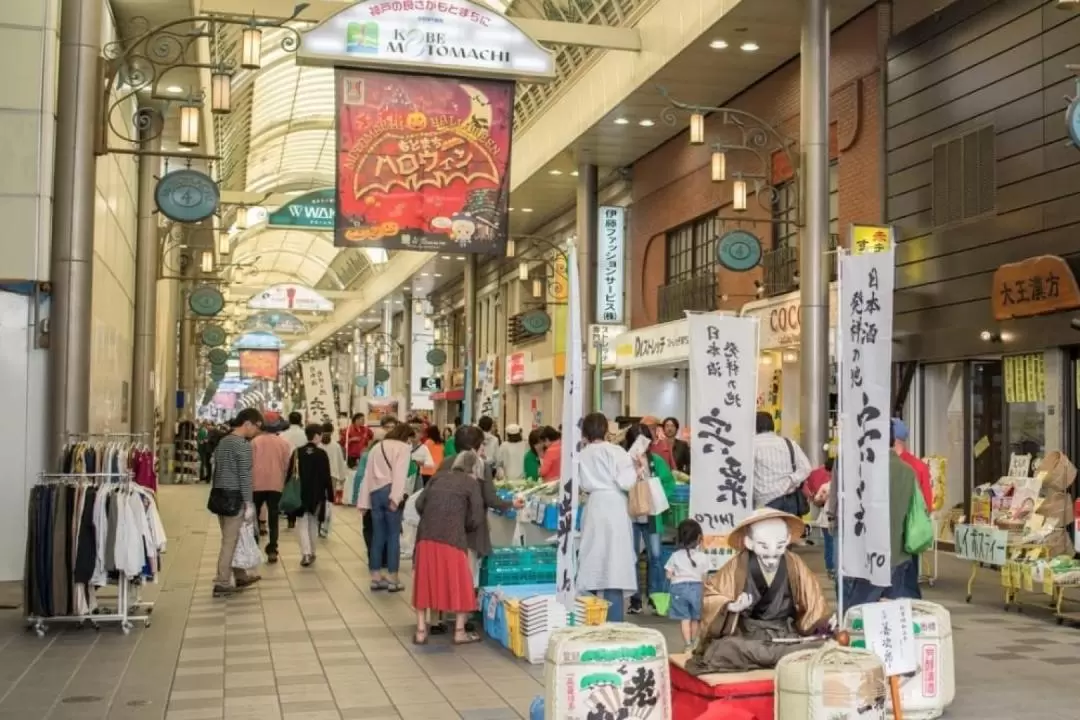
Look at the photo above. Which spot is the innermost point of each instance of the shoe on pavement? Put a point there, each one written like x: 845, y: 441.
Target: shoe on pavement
x: 224, y: 591
x: 271, y: 557
x: 306, y: 561
x: 247, y: 581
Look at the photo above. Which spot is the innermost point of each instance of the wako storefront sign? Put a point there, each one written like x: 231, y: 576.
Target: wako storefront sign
x: 655, y: 345
x: 312, y: 210
x: 449, y: 37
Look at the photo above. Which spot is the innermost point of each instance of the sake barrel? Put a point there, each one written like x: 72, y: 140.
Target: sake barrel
x: 933, y: 687
x: 600, y: 671
x: 830, y: 682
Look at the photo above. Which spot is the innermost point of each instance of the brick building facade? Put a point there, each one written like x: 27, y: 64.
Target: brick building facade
x: 672, y: 185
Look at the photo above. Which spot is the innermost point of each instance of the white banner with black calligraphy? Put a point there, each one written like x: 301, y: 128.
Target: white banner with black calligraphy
x: 572, y: 410
x: 486, y: 383
x: 865, y: 346
x: 723, y: 392
x: 318, y: 391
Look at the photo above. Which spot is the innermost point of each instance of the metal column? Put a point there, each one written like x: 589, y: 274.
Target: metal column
x: 170, y: 296
x: 73, y: 222
x: 813, y: 262
x: 388, y: 347
x: 587, y: 218
x: 469, y: 291
x: 406, y: 355
x: 187, y: 353
x: 147, y: 262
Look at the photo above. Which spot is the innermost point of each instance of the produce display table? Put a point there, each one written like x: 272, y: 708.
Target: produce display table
x: 502, y: 531
x: 731, y: 696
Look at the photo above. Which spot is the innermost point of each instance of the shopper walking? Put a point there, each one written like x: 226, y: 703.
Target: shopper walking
x: 648, y: 530
x: 606, y: 557
x: 686, y: 569
x: 231, y: 498
x: 382, y: 494
x: 780, y: 468
x: 356, y: 438
x: 270, y: 457
x: 510, y: 457
x: 435, y: 446
x: 312, y: 466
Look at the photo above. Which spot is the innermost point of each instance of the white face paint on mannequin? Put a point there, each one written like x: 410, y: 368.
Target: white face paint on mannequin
x: 769, y: 540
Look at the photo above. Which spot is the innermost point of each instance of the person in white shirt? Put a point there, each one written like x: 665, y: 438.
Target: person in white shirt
x: 510, y: 457
x: 686, y: 569
x: 491, y: 443
x: 295, y: 434
x: 338, y: 471
x: 780, y: 468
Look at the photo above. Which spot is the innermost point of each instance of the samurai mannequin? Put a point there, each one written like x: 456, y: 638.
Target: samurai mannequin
x: 762, y: 603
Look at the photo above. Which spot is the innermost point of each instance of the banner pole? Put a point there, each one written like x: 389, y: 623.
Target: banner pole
x: 838, y: 464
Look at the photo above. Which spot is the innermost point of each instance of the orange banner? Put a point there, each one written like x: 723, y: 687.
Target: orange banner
x: 262, y: 364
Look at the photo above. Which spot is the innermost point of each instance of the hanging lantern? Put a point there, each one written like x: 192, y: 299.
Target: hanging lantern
x: 697, y: 129
x: 189, y: 125
x: 738, y: 198
x: 511, y: 248
x: 207, y: 261
x: 220, y: 92
x: 523, y: 271
x: 719, y: 166
x: 251, y: 48
x: 537, y: 288
x: 223, y: 244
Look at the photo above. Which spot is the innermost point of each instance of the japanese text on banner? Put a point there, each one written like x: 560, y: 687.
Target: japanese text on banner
x: 890, y: 634
x: 318, y: 390
x: 865, y: 342
x: 573, y: 406
x: 723, y: 376
x: 609, y: 281
x: 983, y: 544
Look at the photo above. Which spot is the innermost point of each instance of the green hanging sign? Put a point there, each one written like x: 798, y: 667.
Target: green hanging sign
x: 312, y: 210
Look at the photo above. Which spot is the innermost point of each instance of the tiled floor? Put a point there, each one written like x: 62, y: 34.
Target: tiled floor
x: 310, y: 644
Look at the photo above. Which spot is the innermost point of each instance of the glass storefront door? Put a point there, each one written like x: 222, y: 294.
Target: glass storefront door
x: 987, y: 422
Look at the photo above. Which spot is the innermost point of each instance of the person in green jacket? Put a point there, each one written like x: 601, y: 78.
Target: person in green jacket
x: 533, y: 455
x: 648, y: 532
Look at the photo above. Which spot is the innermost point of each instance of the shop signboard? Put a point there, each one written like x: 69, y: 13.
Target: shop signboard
x: 611, y: 265
x: 781, y: 318
x: 1036, y: 286
x: 604, y: 336
x: 662, y: 344
x: 314, y: 210
x: 423, y: 162
x: 864, y: 344
x: 318, y: 390
x: 889, y: 632
x: 723, y: 377
x: 430, y: 384
x: 259, y: 364
x: 448, y: 37
x: 487, y: 384
x: 515, y: 368
x: 288, y: 296
x: 981, y: 543
x: 870, y: 238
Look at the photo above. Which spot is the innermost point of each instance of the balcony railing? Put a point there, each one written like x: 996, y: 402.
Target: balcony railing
x: 781, y: 268
x: 698, y: 292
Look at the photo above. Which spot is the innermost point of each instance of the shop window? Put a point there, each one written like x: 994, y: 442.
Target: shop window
x: 786, y: 209
x: 963, y: 177
x: 691, y: 249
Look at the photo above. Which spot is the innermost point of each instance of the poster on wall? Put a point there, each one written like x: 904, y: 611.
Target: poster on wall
x: 259, y: 364
x: 378, y: 409
x: 723, y: 374
x: 865, y: 343
x: 318, y: 391
x: 423, y: 163
x: 288, y: 296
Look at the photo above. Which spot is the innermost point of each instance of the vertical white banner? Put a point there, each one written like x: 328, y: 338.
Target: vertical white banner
x: 486, y: 383
x: 318, y: 390
x: 864, y: 381
x: 573, y: 408
x: 723, y: 384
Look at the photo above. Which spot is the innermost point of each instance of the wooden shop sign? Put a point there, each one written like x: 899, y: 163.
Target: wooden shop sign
x: 1036, y: 286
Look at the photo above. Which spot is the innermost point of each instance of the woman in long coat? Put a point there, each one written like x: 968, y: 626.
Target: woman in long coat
x: 606, y: 560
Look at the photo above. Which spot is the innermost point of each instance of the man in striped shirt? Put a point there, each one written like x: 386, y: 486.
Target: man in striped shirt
x: 232, y: 473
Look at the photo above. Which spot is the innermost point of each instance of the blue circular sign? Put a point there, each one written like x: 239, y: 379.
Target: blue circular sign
x: 1072, y: 121
x: 187, y: 196
x: 361, y: 381
x: 738, y: 251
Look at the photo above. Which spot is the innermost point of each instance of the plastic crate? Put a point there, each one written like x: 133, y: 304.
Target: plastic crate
x: 675, y: 514
x: 515, y: 641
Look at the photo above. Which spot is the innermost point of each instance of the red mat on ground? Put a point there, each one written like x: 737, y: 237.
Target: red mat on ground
x: 739, y: 696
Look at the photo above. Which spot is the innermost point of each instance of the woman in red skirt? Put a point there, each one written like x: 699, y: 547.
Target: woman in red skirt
x: 451, y: 506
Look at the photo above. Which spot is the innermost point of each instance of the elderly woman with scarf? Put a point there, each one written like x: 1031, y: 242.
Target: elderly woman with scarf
x: 451, y: 507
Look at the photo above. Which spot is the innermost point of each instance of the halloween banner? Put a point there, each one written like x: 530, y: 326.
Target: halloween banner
x: 261, y: 364
x: 423, y: 162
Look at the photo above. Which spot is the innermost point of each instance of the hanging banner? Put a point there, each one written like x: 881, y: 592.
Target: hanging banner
x: 260, y: 364
x: 311, y: 210
x: 290, y: 297
x: 573, y: 409
x: 318, y: 391
x: 723, y: 377
x: 486, y: 384
x: 865, y: 343
x: 610, y: 265
x: 423, y: 162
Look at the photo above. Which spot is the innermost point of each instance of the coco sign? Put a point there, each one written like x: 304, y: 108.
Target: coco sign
x: 783, y: 325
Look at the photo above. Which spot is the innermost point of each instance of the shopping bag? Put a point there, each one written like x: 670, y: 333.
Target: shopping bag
x: 409, y: 516
x: 918, y: 527
x: 640, y: 500
x: 657, y: 496
x: 247, y: 555
x: 291, y: 499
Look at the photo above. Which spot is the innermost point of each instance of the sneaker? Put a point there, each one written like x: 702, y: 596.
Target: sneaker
x: 271, y: 557
x: 306, y: 561
x: 224, y: 591
x: 248, y: 581
x: 634, y: 610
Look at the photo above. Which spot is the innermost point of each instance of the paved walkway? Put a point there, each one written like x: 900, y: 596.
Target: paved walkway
x: 315, y: 644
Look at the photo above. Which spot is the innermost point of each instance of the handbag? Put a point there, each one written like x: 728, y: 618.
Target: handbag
x: 640, y: 499
x: 918, y: 527
x: 226, y: 503
x: 796, y: 501
x: 291, y: 497
x: 657, y: 496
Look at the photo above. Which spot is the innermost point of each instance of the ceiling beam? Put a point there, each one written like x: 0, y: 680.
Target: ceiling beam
x: 544, y: 31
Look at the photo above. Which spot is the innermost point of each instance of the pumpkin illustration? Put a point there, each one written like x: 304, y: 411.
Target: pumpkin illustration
x: 416, y: 121
x: 388, y: 229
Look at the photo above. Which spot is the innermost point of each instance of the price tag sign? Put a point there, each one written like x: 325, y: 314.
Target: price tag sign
x: 1006, y: 576
x: 890, y: 635
x: 981, y: 543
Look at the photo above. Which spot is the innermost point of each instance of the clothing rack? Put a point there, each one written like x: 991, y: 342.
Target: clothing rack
x: 41, y: 569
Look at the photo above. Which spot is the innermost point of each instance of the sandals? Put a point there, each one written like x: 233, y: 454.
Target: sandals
x: 469, y: 638
x: 420, y: 638
x: 377, y: 585
x: 394, y: 587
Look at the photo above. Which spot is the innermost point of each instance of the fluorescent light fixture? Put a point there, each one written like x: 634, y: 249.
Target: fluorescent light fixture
x: 523, y: 271
x: 174, y: 89
x: 646, y: 123
x: 526, y: 210
x: 718, y: 44
x: 749, y: 47
x: 207, y: 261
x: 574, y: 174
x: 460, y: 257
x: 622, y: 121
x: 697, y: 129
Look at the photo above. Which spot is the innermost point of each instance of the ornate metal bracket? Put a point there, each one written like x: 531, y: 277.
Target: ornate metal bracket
x: 746, y: 135
x: 134, y: 66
